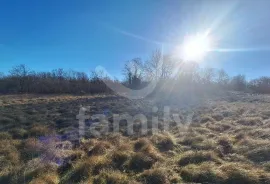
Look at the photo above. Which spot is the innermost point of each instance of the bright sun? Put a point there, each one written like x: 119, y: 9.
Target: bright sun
x: 195, y: 47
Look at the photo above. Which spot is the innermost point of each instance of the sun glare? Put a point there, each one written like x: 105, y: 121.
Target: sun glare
x: 195, y: 47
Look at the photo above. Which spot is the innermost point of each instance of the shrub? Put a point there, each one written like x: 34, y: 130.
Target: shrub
x: 155, y: 176
x: 197, y: 157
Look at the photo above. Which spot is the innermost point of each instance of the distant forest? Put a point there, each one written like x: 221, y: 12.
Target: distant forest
x: 172, y: 73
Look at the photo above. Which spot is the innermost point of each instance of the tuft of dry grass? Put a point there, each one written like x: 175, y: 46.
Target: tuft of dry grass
x: 140, y: 161
x: 219, y: 127
x: 193, y: 139
x: 244, y: 173
x: 227, y: 173
x: 10, y: 157
x: 226, y: 145
x: 196, y: 157
x: 155, y: 176
x: 39, y: 130
x: 206, y: 119
x: 203, y: 173
x: 120, y: 159
x: 259, y: 154
x: 19, y: 133
x: 141, y: 143
x: 250, y: 121
x: 100, y: 148
x: 267, y: 166
x: 164, y: 141
x: 217, y: 116
x: 85, y: 168
x: 51, y: 178
x: 5, y: 136
x: 111, y: 177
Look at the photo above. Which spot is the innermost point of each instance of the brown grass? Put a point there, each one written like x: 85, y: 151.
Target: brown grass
x: 226, y: 143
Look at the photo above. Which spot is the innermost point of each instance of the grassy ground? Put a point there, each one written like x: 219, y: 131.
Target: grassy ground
x: 228, y: 141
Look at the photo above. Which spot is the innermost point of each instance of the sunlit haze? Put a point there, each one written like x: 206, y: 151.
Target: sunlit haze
x: 195, y: 47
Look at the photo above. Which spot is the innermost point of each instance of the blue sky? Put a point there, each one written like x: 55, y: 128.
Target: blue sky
x: 83, y: 34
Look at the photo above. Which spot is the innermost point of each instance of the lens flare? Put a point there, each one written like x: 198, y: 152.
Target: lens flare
x: 195, y: 47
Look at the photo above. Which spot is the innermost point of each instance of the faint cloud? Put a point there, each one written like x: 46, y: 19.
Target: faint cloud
x: 126, y: 33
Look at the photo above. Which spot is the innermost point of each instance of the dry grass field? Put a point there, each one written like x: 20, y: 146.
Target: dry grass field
x: 228, y: 141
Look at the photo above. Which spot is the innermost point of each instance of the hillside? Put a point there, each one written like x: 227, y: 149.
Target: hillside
x: 223, y: 139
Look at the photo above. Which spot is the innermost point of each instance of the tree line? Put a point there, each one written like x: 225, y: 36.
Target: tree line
x: 172, y: 73
x: 23, y: 80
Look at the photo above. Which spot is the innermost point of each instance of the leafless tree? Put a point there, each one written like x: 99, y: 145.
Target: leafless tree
x: 223, y: 78
x: 133, y: 72
x: 239, y: 82
x: 20, y: 73
x: 208, y: 75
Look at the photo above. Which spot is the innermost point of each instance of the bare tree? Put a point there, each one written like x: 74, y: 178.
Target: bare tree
x: 153, y: 65
x: 133, y: 72
x: 208, y: 75
x: 159, y: 66
x: 20, y: 73
x: 187, y: 73
x: 239, y: 82
x: 223, y: 78
x: 261, y: 85
x: 167, y: 67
